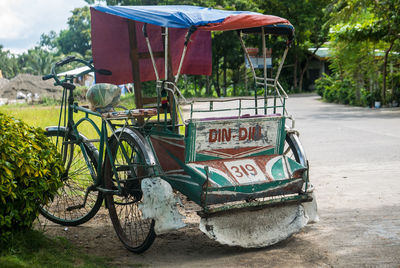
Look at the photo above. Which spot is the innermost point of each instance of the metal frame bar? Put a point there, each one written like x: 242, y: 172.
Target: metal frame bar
x: 280, y: 66
x: 265, y: 66
x: 146, y: 37
x: 187, y: 40
x: 166, y: 53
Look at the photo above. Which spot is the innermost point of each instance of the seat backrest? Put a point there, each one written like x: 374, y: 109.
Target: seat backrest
x: 222, y: 138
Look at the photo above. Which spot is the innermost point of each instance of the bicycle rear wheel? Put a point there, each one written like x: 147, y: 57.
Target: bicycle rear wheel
x: 294, y: 150
x: 136, y: 233
x: 68, y: 206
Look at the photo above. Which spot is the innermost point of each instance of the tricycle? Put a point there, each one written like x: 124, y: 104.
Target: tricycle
x: 236, y: 158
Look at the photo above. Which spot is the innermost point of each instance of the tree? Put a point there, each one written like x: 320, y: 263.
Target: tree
x: 48, y: 41
x: 8, y: 63
x: 77, y: 37
x: 308, y: 18
x: 36, y: 61
x: 369, y: 21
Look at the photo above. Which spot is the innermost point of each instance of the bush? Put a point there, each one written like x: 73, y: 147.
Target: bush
x: 30, y: 169
x: 324, y: 82
x: 333, y: 89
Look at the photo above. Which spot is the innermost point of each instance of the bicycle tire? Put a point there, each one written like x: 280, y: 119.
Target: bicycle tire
x: 294, y: 150
x: 136, y: 233
x: 65, y: 208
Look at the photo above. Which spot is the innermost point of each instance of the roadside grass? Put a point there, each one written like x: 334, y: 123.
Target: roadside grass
x: 48, y: 115
x: 43, y: 116
x: 128, y: 101
x: 33, y: 249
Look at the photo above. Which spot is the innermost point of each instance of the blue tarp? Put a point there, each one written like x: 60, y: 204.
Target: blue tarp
x: 178, y: 16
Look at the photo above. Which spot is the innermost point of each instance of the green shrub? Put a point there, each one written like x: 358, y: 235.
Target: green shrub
x: 322, y: 83
x: 30, y: 169
x: 334, y: 89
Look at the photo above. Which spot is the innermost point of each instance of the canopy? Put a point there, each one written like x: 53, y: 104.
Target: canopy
x: 182, y: 16
x: 118, y: 43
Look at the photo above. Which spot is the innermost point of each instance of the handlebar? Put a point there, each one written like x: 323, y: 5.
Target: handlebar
x: 69, y: 78
x: 65, y: 61
x: 47, y: 76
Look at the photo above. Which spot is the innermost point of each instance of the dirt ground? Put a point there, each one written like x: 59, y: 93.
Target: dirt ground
x: 26, y: 83
x: 354, y: 156
x: 188, y: 247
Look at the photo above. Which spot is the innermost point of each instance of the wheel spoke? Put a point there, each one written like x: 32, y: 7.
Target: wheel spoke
x: 64, y: 208
x: 136, y: 233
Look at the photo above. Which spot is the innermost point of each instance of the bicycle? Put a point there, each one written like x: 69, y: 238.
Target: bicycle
x: 111, y: 171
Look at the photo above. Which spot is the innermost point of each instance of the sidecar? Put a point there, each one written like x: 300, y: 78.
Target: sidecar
x: 236, y: 158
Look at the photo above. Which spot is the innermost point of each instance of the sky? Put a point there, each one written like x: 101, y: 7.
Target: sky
x: 23, y: 21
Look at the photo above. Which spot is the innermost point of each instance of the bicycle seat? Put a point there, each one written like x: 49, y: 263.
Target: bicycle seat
x: 69, y: 86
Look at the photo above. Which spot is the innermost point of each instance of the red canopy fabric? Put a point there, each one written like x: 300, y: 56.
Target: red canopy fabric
x: 111, y: 49
x: 243, y: 21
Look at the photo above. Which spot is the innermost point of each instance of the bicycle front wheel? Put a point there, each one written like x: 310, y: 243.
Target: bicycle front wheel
x: 69, y: 206
x: 136, y: 233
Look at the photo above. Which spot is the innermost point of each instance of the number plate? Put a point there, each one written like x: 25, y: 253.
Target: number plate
x: 245, y: 171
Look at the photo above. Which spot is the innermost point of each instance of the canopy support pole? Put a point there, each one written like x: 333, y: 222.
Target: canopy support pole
x: 265, y: 69
x: 246, y: 53
x: 280, y: 66
x: 150, y: 51
x: 187, y: 40
x: 134, y: 56
x: 166, y: 53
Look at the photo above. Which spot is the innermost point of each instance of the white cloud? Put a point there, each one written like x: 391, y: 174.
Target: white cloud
x: 11, y: 23
x: 23, y: 21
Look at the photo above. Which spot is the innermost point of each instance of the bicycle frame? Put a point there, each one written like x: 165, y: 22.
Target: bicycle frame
x: 103, y: 142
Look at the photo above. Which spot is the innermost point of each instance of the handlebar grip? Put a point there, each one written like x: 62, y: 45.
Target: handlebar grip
x: 65, y: 61
x: 47, y: 77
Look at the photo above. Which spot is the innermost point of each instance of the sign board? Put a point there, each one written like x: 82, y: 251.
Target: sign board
x: 258, y: 62
x: 234, y: 138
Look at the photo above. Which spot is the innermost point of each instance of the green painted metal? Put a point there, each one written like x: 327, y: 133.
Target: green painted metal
x: 218, y: 178
x: 190, y: 186
x: 282, y: 136
x: 86, y: 119
x: 209, y: 211
x: 250, y: 188
x: 192, y: 191
x: 76, y: 108
x: 103, y: 139
x: 233, y: 109
x: 190, y: 142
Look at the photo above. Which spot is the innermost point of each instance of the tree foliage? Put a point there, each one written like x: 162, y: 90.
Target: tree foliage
x: 36, y: 61
x: 77, y: 37
x: 8, y: 63
x: 363, y: 33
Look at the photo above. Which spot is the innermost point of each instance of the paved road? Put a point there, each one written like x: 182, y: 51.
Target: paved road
x: 354, y: 155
